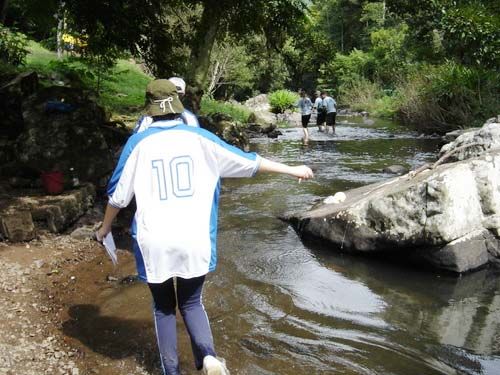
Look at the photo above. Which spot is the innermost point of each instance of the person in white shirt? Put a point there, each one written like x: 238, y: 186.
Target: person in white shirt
x: 174, y: 172
x: 320, y: 111
x: 188, y: 117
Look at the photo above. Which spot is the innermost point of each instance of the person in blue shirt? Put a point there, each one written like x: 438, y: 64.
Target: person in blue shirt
x: 174, y: 172
x: 331, y: 111
x: 305, y: 105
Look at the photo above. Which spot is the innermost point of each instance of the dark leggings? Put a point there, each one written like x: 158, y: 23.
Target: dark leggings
x: 195, y: 318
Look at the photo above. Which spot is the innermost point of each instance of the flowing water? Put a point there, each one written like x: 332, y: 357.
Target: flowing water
x: 278, y: 306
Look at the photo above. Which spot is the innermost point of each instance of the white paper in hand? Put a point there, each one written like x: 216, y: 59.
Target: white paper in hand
x: 109, y: 245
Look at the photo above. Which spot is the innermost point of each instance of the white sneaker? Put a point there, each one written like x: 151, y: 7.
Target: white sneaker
x: 214, y: 366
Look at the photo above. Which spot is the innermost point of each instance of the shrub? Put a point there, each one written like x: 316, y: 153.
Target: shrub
x: 364, y: 95
x: 281, y: 100
x: 448, y: 96
x: 236, y: 111
x: 359, y: 94
x: 13, y: 46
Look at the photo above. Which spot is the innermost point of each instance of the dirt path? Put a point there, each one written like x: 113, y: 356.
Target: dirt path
x: 48, y: 317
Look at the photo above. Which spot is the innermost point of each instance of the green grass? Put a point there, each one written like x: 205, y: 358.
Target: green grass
x: 39, y: 58
x: 236, y: 111
x: 125, y: 90
x: 121, y: 91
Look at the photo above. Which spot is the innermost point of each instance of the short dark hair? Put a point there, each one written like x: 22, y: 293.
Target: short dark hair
x: 170, y: 116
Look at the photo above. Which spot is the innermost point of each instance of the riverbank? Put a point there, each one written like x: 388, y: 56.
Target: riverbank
x: 33, y: 280
x: 47, y: 288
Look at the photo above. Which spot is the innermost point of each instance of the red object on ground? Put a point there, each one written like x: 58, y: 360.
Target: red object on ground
x: 53, y: 182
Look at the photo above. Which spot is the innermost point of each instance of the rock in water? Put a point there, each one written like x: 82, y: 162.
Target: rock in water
x: 395, y: 169
x: 449, y: 215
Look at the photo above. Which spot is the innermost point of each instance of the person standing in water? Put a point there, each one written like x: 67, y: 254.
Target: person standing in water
x: 320, y: 111
x: 305, y: 105
x: 331, y: 111
x: 174, y: 172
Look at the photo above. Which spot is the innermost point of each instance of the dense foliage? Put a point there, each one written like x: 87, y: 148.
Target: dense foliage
x: 12, y: 46
x: 433, y: 63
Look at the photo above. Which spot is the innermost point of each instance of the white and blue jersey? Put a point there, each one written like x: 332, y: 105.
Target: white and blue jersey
x: 174, y: 172
x: 190, y: 118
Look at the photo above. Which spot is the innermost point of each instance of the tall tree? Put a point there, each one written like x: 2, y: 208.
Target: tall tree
x: 466, y: 30
x: 166, y: 32
x: 273, y: 18
x: 32, y: 17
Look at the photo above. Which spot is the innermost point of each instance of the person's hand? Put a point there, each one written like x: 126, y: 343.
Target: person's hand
x: 101, y: 233
x: 303, y: 172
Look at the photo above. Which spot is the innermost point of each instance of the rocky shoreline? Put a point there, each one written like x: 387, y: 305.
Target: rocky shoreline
x: 41, y: 284
x: 446, y: 214
x: 31, y: 343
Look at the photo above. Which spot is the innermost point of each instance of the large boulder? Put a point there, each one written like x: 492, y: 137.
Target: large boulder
x: 258, y: 103
x: 12, y: 95
x: 449, y: 214
x: 473, y: 143
x: 63, y: 130
x: 261, y: 110
x: 226, y: 128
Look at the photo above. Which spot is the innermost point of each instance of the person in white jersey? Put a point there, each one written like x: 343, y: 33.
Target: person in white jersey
x: 174, y: 172
x: 187, y: 116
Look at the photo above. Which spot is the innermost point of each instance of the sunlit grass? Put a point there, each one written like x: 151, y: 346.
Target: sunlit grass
x: 236, y: 111
x: 38, y: 56
x: 121, y: 91
x: 124, y: 90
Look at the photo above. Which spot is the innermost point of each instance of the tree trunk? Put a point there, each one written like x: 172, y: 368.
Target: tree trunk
x: 202, y: 48
x: 383, y: 12
x: 60, y: 30
x: 4, y: 4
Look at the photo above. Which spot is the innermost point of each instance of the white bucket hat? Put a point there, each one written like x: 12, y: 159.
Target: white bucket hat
x: 179, y: 83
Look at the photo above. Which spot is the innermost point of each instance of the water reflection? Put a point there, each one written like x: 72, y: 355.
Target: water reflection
x: 348, y: 314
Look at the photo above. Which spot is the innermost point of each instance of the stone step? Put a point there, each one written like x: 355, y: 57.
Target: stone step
x: 22, y: 216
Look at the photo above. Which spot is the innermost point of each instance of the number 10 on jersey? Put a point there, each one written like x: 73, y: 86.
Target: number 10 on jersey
x: 174, y: 177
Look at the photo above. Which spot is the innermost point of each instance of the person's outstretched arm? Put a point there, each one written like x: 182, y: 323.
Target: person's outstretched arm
x: 302, y: 172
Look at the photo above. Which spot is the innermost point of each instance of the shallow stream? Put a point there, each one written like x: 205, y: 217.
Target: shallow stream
x: 278, y: 306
